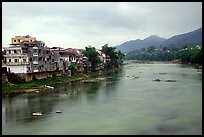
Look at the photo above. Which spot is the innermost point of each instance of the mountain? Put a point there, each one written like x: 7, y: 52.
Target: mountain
x: 186, y: 39
x: 128, y: 46
x: 194, y: 37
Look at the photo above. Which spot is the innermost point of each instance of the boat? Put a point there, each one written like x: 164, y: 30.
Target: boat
x: 58, y: 111
x: 37, y: 114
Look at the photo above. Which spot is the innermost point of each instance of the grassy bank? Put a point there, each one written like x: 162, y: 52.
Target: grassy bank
x: 39, y: 85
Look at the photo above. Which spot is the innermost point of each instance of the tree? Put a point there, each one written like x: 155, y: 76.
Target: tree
x: 196, y: 55
x: 121, y: 57
x: 150, y: 49
x: 115, y: 57
x: 92, y: 55
x: 72, y: 67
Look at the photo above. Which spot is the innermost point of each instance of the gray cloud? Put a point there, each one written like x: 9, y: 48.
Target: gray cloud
x: 80, y: 24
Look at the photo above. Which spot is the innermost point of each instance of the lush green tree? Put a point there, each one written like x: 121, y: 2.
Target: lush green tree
x: 121, y: 57
x: 196, y: 55
x: 92, y: 55
x: 116, y: 58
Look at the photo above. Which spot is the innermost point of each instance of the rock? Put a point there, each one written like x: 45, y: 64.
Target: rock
x: 169, y: 80
x: 49, y: 87
x: 158, y: 80
x: 134, y: 77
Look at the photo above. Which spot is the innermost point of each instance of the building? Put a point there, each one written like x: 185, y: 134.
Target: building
x: 36, y: 52
x: 27, y: 56
x: 18, y: 39
x: 15, y: 60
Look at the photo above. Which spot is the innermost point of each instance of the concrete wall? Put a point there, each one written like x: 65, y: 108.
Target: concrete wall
x: 17, y: 69
x: 41, y: 75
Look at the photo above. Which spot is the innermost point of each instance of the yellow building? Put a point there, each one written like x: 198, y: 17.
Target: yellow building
x: 16, y: 41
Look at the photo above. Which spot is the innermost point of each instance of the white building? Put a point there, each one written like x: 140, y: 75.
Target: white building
x: 16, y: 61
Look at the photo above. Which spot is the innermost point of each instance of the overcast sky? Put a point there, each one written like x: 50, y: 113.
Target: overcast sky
x: 80, y: 24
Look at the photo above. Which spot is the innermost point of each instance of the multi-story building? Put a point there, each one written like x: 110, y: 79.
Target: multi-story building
x: 17, y: 39
x: 30, y: 58
x: 25, y: 55
x: 16, y: 60
x: 36, y: 51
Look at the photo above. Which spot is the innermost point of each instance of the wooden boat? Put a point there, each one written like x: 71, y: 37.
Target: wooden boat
x: 36, y: 113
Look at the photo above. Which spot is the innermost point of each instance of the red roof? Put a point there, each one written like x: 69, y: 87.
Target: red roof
x: 107, y: 57
x: 100, y: 53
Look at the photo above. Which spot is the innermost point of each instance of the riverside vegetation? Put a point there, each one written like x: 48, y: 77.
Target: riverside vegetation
x: 187, y: 55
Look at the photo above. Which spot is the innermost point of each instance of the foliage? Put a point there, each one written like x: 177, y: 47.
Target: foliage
x: 72, y: 67
x: 116, y: 58
x: 186, y: 55
x: 92, y: 54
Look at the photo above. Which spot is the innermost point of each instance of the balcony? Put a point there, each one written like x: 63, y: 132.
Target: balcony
x: 35, y: 54
x: 16, y: 55
x: 16, y: 63
x: 35, y: 62
x: 35, y: 70
x: 35, y: 47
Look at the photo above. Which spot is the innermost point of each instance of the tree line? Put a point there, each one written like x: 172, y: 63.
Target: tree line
x: 191, y: 55
x: 116, y: 57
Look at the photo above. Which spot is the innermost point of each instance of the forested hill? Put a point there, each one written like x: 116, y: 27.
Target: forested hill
x: 189, y: 39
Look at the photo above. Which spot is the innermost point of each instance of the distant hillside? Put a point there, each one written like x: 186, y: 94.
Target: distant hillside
x: 194, y: 37
x: 128, y: 46
x: 187, y: 39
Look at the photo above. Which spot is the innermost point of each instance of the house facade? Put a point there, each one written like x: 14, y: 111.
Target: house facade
x: 26, y: 55
x: 15, y: 60
x: 31, y: 58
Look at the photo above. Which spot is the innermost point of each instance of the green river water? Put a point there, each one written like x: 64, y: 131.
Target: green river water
x: 120, y: 105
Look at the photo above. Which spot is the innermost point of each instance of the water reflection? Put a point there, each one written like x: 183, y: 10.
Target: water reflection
x: 19, y: 108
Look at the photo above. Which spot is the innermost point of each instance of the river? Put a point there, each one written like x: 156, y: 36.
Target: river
x: 120, y: 105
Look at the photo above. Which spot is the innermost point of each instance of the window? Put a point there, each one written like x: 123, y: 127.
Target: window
x: 40, y: 50
x: 40, y: 59
x: 14, y: 40
x: 16, y: 60
x: 31, y: 59
x: 18, y: 40
x: 9, y: 51
x: 24, y: 60
x: 14, y: 51
x: 9, y: 60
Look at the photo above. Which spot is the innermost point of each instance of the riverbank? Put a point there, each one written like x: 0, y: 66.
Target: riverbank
x: 44, y: 84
